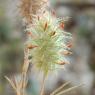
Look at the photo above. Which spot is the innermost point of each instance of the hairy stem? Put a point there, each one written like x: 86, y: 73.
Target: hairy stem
x: 24, y: 70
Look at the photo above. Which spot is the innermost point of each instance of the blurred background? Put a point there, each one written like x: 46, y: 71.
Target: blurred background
x: 79, y: 18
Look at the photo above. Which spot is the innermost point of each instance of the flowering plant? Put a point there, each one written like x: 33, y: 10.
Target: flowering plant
x: 47, y: 43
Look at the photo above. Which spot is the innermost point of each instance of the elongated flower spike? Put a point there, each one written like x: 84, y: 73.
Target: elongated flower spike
x: 50, y: 41
x: 30, y: 8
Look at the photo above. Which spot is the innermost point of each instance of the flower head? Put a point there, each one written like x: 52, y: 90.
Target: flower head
x: 50, y: 43
x: 30, y: 8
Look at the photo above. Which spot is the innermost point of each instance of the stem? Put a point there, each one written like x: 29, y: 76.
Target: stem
x: 24, y: 83
x: 18, y: 93
x: 42, y: 86
x: 25, y: 69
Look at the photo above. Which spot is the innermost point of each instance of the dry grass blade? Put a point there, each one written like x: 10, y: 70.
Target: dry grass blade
x: 11, y: 82
x: 68, y: 90
x: 60, y: 88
